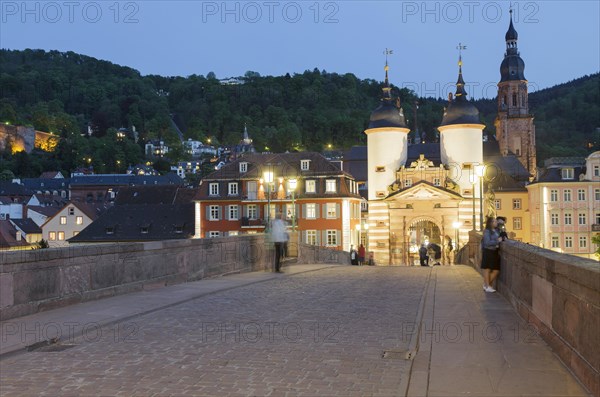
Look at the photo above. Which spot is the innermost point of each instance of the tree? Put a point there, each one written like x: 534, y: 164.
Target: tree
x: 7, y: 175
x: 42, y: 244
x: 596, y: 240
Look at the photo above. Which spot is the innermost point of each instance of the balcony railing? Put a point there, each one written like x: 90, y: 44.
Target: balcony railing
x: 596, y: 227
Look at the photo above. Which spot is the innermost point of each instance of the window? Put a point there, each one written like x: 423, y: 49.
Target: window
x: 311, y: 237
x: 213, y: 234
x: 597, y: 194
x: 407, y: 182
x: 498, y: 204
x: 304, y: 165
x: 252, y: 190
x: 52, y: 236
x: 582, y: 242
x: 568, y: 219
x: 144, y: 229
x: 110, y: 230
x: 516, y: 204
x: 517, y: 223
x: 567, y: 195
x: 597, y: 170
x: 311, y: 186
x: 331, y: 238
x: 233, y: 189
x: 331, y: 210
x: 436, y: 182
x: 63, y: 220
x: 581, y: 194
x: 213, y: 189
x: 311, y: 211
x: 555, y: 243
x: 290, y: 211
x: 514, y: 99
x: 554, y: 219
x: 75, y: 234
x: 252, y: 211
x: 233, y: 213
x: 568, y: 242
x: 582, y: 218
x: 243, y: 167
x: 79, y: 220
x: 598, y: 218
x: 554, y: 195
x: 213, y: 213
x: 567, y: 173
x: 71, y: 211
x: 379, y: 168
x: 178, y: 229
x: 61, y: 236
x: 330, y: 186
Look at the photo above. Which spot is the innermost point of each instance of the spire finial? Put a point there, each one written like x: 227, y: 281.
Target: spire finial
x: 386, y: 89
x: 460, y: 84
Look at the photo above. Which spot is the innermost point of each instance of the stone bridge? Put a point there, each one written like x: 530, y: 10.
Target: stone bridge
x: 208, y: 317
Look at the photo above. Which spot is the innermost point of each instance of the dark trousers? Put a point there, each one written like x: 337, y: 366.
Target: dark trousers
x: 424, y: 260
x: 278, y: 252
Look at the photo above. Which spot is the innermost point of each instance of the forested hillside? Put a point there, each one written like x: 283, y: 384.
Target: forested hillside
x: 66, y: 92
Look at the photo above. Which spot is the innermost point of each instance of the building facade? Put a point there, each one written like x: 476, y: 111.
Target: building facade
x: 316, y: 198
x: 565, y: 205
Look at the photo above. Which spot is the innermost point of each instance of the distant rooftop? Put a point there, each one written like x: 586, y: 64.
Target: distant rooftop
x: 564, y: 161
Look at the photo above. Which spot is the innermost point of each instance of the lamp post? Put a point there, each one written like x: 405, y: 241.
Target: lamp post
x: 473, y: 179
x: 480, y: 170
x: 292, y: 183
x: 268, y: 177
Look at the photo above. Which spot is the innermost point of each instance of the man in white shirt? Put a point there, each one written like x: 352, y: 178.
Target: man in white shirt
x: 278, y: 236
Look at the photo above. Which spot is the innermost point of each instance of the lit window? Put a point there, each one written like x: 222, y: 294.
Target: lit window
x: 582, y: 218
x: 61, y: 236
x: 332, y: 238
x: 63, y: 220
x: 213, y: 189
x: 311, y: 237
x: 582, y: 242
x: 567, y: 195
x: 568, y: 242
x: 568, y: 173
x: 568, y: 219
x: 331, y: 210
x: 330, y: 186
x: 311, y: 186
x: 311, y: 211
x: 581, y: 194
x: 304, y: 165
x: 52, y: 236
x: 233, y: 189
x: 554, y: 195
x: 252, y: 211
x: 517, y: 223
x: 554, y: 219
x: 233, y: 212
x: 498, y: 204
x: 290, y: 211
x: 516, y: 204
x: 75, y: 234
x: 79, y: 220
x: 555, y: 242
x: 213, y: 213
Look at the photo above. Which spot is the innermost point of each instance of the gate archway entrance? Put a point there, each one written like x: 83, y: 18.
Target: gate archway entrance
x: 422, y: 231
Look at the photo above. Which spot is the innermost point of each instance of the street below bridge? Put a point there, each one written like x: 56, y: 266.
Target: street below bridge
x: 316, y: 330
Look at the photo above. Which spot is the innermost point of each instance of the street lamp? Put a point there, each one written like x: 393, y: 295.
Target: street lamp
x: 292, y: 183
x: 480, y: 170
x: 473, y: 179
x: 268, y: 177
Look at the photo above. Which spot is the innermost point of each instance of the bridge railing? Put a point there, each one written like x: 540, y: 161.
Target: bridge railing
x: 558, y: 295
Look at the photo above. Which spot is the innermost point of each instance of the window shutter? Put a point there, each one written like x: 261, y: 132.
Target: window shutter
x: 207, y: 209
x: 304, y: 211
x: 337, y: 210
x: 220, y: 215
x: 325, y: 210
x: 239, y: 211
x: 317, y: 215
x: 324, y: 237
x: 318, y: 238
x: 337, y: 237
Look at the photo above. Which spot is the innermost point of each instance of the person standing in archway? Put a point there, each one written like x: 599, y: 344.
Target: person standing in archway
x: 490, y: 257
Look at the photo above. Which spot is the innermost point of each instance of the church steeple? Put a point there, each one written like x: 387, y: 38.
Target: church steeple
x: 387, y: 90
x: 513, y: 67
x: 461, y: 93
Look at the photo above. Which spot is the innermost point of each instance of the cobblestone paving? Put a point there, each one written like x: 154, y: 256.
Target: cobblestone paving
x: 320, y: 333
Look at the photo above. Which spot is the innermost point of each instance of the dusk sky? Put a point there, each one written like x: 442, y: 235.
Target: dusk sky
x: 558, y: 40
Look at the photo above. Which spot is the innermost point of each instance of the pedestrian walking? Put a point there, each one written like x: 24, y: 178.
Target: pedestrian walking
x: 361, y: 255
x: 278, y: 236
x: 423, y: 257
x: 353, y: 256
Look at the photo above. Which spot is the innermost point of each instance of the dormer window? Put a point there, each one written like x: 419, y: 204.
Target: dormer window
x: 330, y: 186
x: 304, y: 165
x: 110, y: 230
x: 213, y: 189
x: 178, y: 229
x: 144, y: 229
x: 568, y: 173
x: 243, y: 167
x: 380, y: 168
